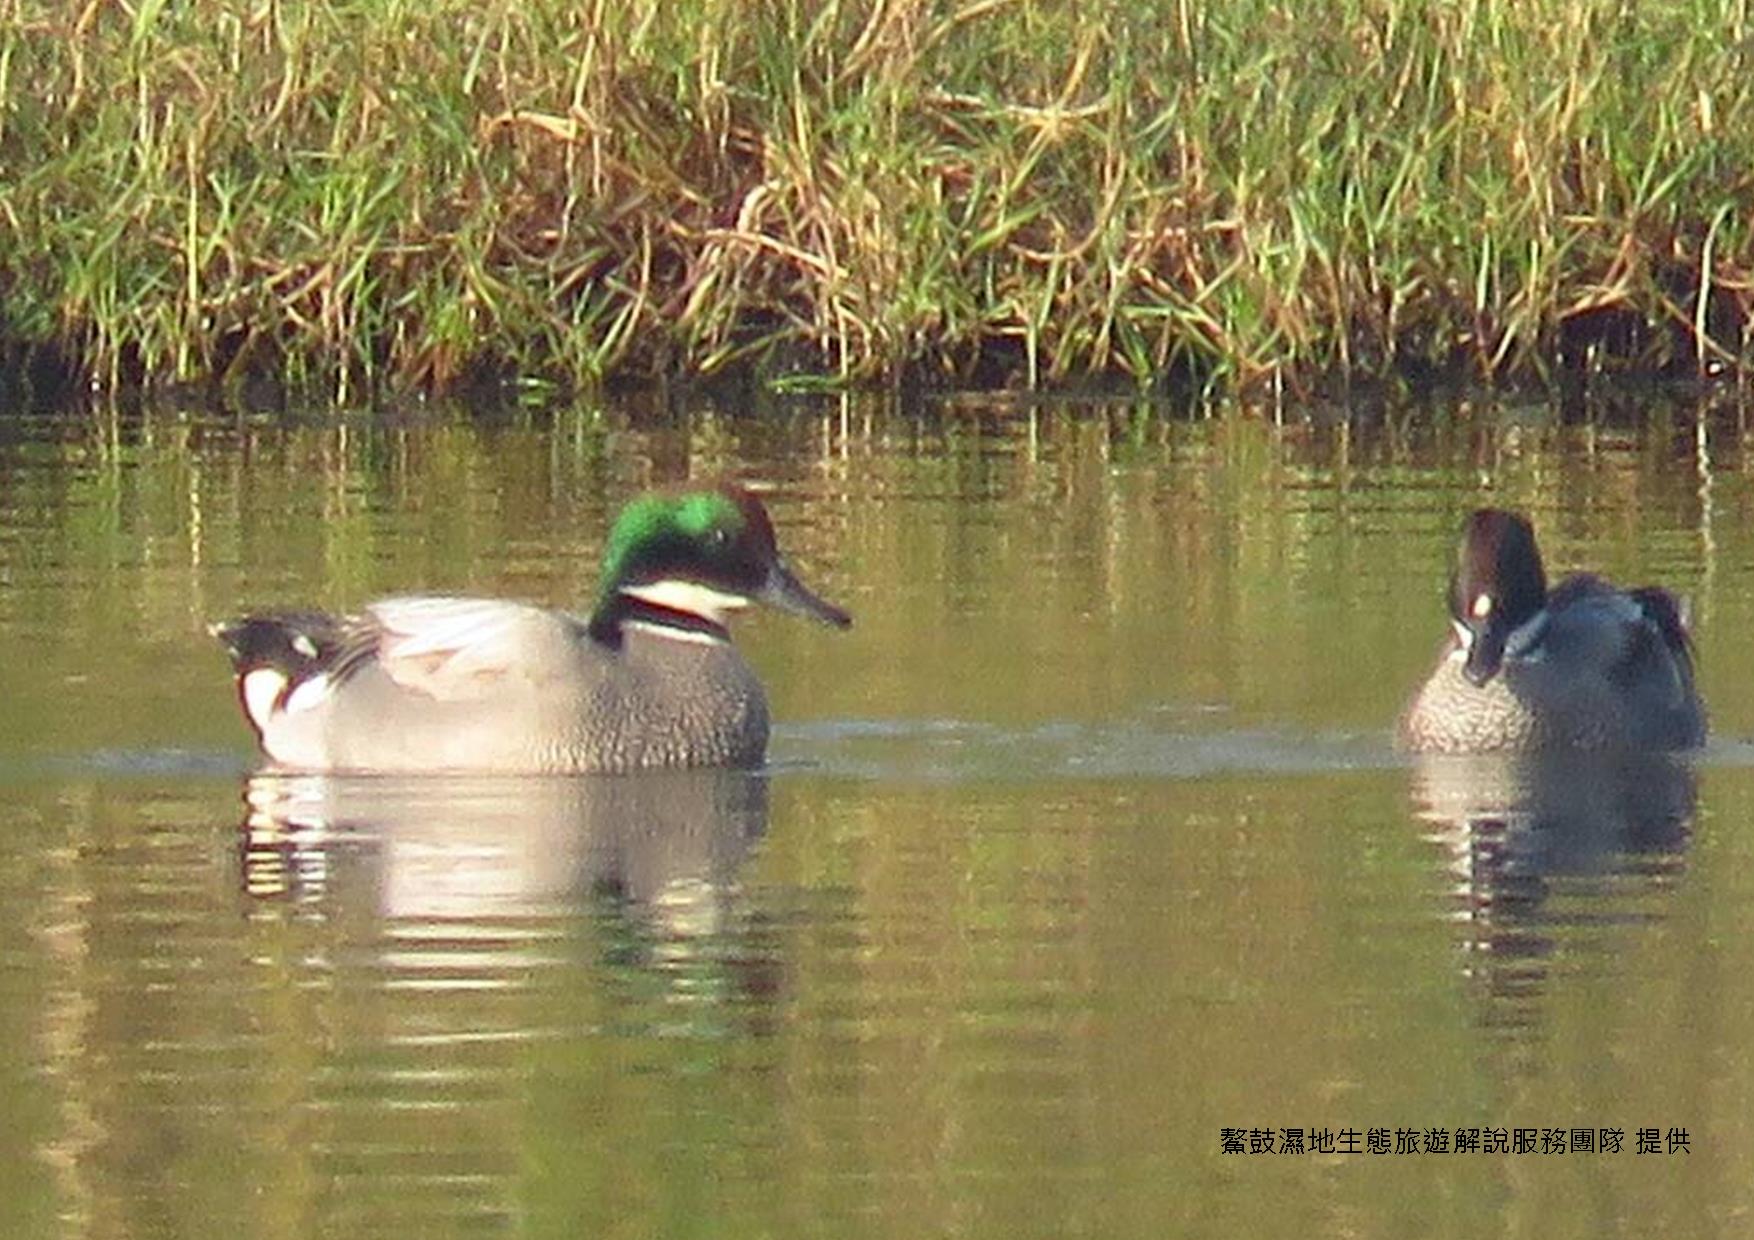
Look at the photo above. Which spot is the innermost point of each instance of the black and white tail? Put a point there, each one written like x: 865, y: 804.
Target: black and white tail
x: 281, y: 659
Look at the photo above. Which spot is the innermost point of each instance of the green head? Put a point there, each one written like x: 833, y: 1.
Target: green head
x: 690, y: 559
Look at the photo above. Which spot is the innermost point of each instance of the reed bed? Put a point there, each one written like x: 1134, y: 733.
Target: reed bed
x: 403, y: 194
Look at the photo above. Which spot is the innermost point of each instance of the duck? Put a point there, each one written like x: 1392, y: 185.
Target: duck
x: 648, y: 679
x: 1525, y: 669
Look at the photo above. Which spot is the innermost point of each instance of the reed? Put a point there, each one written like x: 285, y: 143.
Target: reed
x: 382, y: 192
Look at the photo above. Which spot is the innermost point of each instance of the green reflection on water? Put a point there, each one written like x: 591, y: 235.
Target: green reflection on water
x: 1003, y: 958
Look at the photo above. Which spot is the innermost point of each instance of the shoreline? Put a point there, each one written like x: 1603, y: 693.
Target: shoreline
x: 997, y: 195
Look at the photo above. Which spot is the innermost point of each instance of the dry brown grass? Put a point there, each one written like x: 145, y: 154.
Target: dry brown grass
x: 392, y: 193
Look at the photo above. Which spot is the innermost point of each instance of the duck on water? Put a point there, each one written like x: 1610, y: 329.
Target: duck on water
x: 1584, y: 666
x: 437, y: 684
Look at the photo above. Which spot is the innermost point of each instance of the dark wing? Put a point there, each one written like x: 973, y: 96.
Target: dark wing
x: 1668, y: 614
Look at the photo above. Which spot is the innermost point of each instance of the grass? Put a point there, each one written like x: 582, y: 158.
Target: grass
x: 378, y: 192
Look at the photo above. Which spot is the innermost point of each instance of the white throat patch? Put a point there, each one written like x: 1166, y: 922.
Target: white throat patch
x: 691, y: 597
x: 671, y: 633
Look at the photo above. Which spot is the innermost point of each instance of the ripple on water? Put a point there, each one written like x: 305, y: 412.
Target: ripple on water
x: 951, y: 751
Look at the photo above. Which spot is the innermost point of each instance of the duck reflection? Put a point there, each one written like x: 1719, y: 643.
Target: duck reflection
x: 445, y: 959
x: 1538, y: 846
x: 663, y: 847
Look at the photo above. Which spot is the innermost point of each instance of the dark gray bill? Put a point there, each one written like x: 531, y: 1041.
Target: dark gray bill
x: 1485, y: 652
x: 786, y: 592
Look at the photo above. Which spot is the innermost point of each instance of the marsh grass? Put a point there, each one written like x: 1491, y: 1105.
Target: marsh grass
x: 374, y: 191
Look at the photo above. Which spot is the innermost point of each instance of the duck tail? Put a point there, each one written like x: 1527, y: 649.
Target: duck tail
x: 295, y: 643
x: 272, y: 655
x: 1669, y: 613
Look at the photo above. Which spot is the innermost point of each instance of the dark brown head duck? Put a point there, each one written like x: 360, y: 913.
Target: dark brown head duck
x: 1582, y: 666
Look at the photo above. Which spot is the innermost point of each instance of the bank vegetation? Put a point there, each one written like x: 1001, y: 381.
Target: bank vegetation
x: 973, y: 191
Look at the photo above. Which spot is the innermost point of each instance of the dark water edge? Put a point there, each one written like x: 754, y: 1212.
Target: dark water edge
x: 1580, y: 379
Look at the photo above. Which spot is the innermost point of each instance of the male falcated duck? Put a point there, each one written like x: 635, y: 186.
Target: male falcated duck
x: 1585, y: 666
x: 648, y: 679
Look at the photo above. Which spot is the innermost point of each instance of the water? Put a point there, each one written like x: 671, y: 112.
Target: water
x: 1083, y: 846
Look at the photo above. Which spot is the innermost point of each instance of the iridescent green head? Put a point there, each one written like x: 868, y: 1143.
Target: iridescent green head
x: 688, y: 560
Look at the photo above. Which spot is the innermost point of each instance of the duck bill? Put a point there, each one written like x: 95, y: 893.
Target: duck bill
x: 783, y: 590
x: 1485, y: 652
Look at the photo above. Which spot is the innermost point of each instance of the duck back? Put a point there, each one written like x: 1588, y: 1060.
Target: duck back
x: 1600, y: 668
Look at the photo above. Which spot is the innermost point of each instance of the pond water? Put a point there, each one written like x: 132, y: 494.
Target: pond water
x: 1084, y: 846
